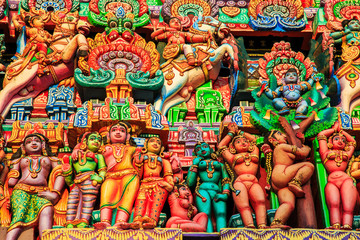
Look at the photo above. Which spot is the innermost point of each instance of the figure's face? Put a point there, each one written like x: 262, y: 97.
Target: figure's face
x: 280, y: 137
x: 354, y: 25
x: 291, y: 77
x: 38, y: 23
x: 339, y: 142
x: 118, y: 134
x: 94, y: 142
x: 154, y: 145
x: 184, y: 192
x: 241, y: 144
x: 175, y: 23
x: 203, y: 150
x: 33, y: 145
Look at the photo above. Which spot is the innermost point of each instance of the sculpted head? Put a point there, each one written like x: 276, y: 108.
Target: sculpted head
x: 241, y: 144
x: 276, y: 137
x: 291, y: 76
x: 182, y: 191
x: 337, y: 142
x: 175, y: 23
x: 153, y: 145
x: 353, y: 24
x: 91, y: 141
x: 120, y: 132
x: 203, y: 150
x: 33, y: 144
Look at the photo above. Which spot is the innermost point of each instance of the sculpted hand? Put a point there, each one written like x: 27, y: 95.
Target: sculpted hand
x: 53, y: 197
x: 233, y: 127
x: 95, y: 177
x: 266, y: 149
x: 167, y: 186
x: 221, y: 197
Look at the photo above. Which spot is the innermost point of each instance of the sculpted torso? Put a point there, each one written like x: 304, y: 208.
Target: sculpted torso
x: 42, y: 175
x: 118, y: 156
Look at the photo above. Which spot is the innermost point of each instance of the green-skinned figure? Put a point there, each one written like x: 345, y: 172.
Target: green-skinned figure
x: 85, y: 182
x: 212, y: 185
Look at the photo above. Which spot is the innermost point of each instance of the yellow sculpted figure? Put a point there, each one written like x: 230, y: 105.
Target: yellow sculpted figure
x: 121, y: 181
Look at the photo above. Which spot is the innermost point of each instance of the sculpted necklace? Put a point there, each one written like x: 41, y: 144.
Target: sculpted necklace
x: 82, y: 159
x: 33, y: 172
x: 152, y: 162
x: 210, y: 173
x: 118, y: 152
x: 339, y: 158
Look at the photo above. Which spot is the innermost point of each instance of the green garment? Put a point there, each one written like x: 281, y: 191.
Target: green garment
x: 26, y: 208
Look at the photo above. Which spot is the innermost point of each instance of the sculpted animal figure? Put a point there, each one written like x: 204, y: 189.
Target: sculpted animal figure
x: 22, y: 80
x: 181, y: 77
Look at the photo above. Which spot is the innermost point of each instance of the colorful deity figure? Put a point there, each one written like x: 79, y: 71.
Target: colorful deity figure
x: 241, y: 153
x: 336, y: 150
x: 121, y: 184
x: 212, y: 184
x: 38, y: 39
x: 80, y: 174
x: 156, y: 182
x: 350, y: 39
x: 289, y: 95
x: 32, y: 199
x: 184, y: 214
x: 287, y: 177
x: 177, y: 39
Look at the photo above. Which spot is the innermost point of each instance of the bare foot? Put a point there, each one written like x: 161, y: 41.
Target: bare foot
x: 281, y: 226
x: 296, y: 190
x: 122, y: 225
x: 136, y: 225
x: 101, y: 225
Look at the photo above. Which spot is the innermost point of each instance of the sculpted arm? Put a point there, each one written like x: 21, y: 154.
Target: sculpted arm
x: 101, y: 167
x: 193, y: 172
x: 272, y: 93
x: 322, y: 139
x: 60, y: 180
x: 224, y: 151
x: 351, y: 142
x: 14, y: 173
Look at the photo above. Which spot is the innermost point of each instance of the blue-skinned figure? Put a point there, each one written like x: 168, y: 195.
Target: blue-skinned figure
x: 289, y: 95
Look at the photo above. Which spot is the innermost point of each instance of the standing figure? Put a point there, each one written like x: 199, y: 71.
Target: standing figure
x: 121, y: 184
x: 83, y: 162
x: 184, y: 214
x: 156, y: 182
x: 287, y: 177
x: 4, y: 195
x: 32, y: 200
x: 290, y: 94
x: 243, y: 157
x: 212, y: 184
x: 176, y: 41
x: 336, y: 149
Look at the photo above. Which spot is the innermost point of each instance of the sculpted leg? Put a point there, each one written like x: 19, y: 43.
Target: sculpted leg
x: 257, y: 198
x: 46, y: 219
x: 73, y: 202
x: 242, y: 204
x: 332, y: 196
x: 303, y: 174
x: 205, y: 207
x: 14, y: 233
x: 301, y: 110
x: 280, y: 105
x: 348, y: 200
x: 220, y: 214
x: 89, y: 194
x: 287, y: 206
